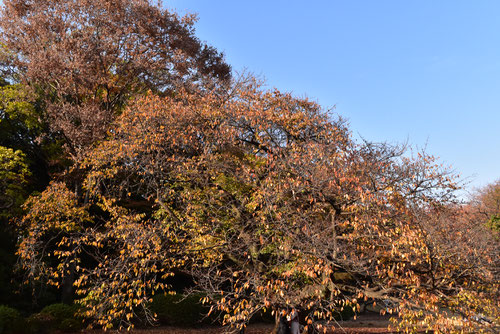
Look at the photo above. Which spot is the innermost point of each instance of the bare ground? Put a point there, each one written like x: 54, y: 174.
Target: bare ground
x: 252, y: 329
x: 364, y: 324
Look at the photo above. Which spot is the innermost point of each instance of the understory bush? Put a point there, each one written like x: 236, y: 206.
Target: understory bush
x: 179, y: 310
x: 10, y: 320
x: 60, y: 311
x: 60, y: 317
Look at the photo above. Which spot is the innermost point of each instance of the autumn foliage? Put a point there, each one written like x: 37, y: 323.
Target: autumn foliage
x: 265, y: 200
x: 89, y: 57
x: 486, y: 203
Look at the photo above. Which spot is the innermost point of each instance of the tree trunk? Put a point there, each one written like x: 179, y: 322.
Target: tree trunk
x: 67, y: 285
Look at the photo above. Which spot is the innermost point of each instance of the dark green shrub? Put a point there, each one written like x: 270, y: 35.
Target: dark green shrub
x: 70, y: 325
x: 60, y: 317
x: 10, y: 320
x: 40, y: 323
x: 60, y: 311
x: 177, y: 310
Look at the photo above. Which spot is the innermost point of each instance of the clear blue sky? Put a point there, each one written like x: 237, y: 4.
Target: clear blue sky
x: 423, y: 71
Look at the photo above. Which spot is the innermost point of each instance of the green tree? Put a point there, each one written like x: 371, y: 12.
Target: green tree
x: 14, y: 174
x: 13, y: 180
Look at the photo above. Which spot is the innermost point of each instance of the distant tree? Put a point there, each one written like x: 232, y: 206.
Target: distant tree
x: 14, y: 175
x: 22, y: 128
x: 90, y: 57
x: 494, y: 223
x: 22, y: 170
x: 13, y: 178
x: 487, y: 202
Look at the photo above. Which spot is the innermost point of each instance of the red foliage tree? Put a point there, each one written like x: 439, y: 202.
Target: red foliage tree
x: 89, y: 57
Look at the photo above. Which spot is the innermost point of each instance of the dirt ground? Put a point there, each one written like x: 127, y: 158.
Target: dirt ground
x: 364, y: 324
x: 252, y: 329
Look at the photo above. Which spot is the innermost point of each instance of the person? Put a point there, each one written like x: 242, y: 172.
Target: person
x: 294, y: 322
x: 283, y: 327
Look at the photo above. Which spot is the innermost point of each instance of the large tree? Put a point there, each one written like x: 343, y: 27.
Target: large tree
x: 268, y: 203
x: 263, y: 198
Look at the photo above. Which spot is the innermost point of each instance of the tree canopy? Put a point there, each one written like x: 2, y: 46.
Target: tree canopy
x: 90, y: 57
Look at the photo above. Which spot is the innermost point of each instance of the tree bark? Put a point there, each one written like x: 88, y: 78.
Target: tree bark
x: 67, y: 285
